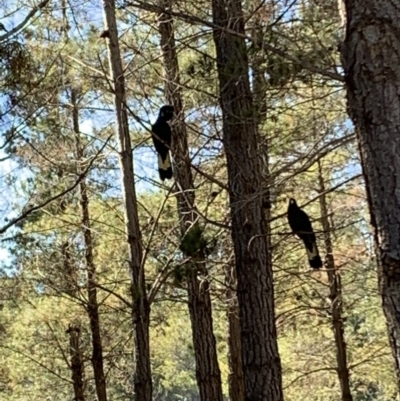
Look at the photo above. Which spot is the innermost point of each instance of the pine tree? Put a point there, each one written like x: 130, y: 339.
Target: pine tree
x: 261, y: 362
x: 370, y: 58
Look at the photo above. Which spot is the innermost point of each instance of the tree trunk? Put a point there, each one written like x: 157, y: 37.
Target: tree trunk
x: 371, y: 59
x: 258, y: 63
x: 69, y: 271
x: 235, y: 379
x: 77, y: 367
x: 92, y: 306
x: 335, y: 296
x: 140, y: 305
x: 208, y: 374
x: 261, y: 362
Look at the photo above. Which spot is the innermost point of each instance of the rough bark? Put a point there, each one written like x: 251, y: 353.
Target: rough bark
x: 92, y: 305
x: 140, y: 305
x: 335, y: 296
x: 371, y: 59
x: 77, y: 367
x: 208, y: 374
x: 261, y: 362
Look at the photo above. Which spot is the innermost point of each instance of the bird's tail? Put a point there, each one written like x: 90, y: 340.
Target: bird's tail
x: 165, y: 167
x: 313, y: 256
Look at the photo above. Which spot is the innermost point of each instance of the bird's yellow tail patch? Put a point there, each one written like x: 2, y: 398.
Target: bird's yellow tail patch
x: 164, y: 164
x: 311, y: 254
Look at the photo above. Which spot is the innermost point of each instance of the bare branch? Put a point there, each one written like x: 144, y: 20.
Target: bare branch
x: 199, y: 21
x: 60, y: 195
x: 30, y: 15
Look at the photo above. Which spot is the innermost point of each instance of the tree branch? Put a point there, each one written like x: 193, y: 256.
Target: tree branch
x: 61, y: 194
x: 199, y: 21
x: 25, y: 21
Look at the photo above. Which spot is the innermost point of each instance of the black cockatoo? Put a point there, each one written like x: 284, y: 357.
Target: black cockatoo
x: 301, y: 226
x: 162, y: 129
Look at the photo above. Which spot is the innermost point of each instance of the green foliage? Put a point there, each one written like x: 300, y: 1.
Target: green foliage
x: 15, y: 64
x: 193, y: 241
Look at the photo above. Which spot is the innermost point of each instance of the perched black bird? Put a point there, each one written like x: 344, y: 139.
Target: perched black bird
x: 162, y: 130
x: 105, y: 34
x: 301, y: 226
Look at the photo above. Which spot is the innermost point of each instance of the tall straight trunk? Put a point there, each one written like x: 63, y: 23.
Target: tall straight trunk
x: 208, y: 374
x: 92, y: 306
x: 140, y: 306
x: 261, y: 362
x: 258, y: 63
x: 77, y: 367
x: 371, y: 59
x: 69, y: 271
x: 335, y: 296
x: 235, y: 378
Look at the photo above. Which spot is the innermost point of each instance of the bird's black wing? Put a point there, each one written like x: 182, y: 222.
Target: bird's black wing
x: 301, y: 225
x: 163, y: 131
